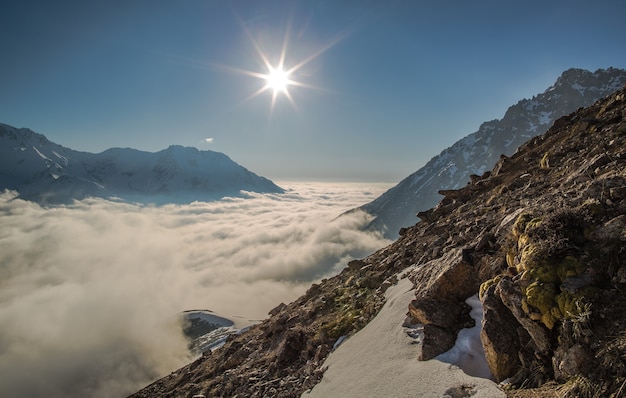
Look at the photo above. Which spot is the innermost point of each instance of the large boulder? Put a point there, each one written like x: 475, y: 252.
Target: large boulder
x: 441, y: 287
x: 499, y: 336
x: 451, y: 277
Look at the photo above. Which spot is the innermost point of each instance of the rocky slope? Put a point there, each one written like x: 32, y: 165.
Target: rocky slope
x: 48, y: 173
x: 478, y: 152
x: 541, y: 237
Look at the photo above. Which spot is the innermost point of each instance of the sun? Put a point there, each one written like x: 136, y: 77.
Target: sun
x: 279, y: 77
x: 277, y: 80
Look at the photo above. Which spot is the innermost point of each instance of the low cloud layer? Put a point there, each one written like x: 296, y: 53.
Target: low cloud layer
x: 89, y: 293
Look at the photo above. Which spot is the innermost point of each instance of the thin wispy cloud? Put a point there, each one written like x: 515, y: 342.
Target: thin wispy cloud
x: 99, y: 284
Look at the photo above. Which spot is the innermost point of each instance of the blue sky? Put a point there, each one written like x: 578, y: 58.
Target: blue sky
x: 389, y: 84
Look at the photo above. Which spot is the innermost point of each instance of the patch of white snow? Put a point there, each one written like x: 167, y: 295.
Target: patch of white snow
x: 63, y: 158
x: 545, y: 118
x: 468, y: 353
x: 381, y: 361
x: 579, y: 88
x: 41, y: 155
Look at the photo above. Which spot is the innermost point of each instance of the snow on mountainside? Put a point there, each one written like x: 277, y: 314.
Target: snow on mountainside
x: 478, y: 152
x: 48, y: 173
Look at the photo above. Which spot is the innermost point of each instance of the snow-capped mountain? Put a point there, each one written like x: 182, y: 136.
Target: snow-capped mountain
x: 48, y: 173
x: 478, y: 152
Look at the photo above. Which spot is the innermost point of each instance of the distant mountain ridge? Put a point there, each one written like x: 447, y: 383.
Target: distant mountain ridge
x: 48, y: 173
x: 478, y: 152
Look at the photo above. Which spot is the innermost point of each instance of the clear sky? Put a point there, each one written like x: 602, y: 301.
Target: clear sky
x: 378, y: 86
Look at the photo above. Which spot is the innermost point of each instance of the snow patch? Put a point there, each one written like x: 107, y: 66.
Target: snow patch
x: 63, y: 158
x: 339, y: 341
x: 381, y: 360
x: 41, y: 155
x: 581, y: 89
x: 545, y: 118
x: 468, y: 353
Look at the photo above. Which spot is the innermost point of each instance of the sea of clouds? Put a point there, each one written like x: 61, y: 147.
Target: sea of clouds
x: 90, y: 293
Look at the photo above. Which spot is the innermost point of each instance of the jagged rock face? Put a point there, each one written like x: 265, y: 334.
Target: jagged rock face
x: 48, y: 173
x: 555, y: 211
x: 500, y: 337
x: 478, y: 152
x: 540, y: 237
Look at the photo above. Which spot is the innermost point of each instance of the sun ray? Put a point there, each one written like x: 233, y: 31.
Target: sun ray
x: 314, y: 55
x: 283, y: 50
x: 254, y: 94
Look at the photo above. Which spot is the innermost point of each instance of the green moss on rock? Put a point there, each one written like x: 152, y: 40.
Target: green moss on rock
x: 540, y: 255
x: 486, y: 285
x: 540, y: 303
x: 570, y: 266
x: 544, y: 272
x: 520, y: 224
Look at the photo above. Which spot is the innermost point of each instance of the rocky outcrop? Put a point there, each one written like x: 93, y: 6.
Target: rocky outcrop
x: 500, y: 336
x: 543, y: 236
x: 540, y: 238
x: 442, y: 285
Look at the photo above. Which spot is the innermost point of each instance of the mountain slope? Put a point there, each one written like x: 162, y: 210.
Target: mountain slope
x: 48, y: 173
x: 540, y: 237
x: 477, y: 152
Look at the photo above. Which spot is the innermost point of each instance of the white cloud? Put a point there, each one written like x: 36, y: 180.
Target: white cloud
x: 89, y: 292
x: 209, y: 140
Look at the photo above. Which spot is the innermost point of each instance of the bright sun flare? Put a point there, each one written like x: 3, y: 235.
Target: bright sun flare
x: 277, y: 80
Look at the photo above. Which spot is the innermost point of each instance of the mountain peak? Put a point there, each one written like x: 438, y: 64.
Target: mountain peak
x: 48, y: 173
x: 473, y: 155
x: 22, y: 135
x: 604, y: 80
x: 572, y: 75
x: 181, y: 148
